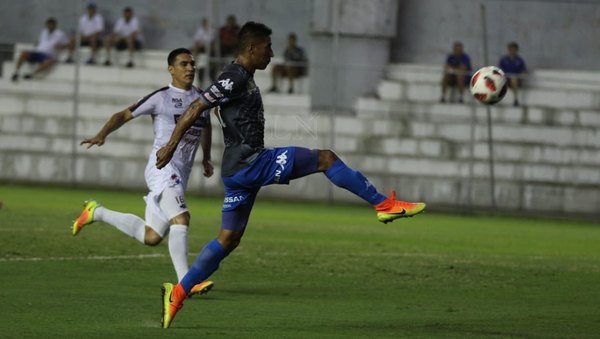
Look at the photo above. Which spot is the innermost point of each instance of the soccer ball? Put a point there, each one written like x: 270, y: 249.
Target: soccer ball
x: 489, y: 85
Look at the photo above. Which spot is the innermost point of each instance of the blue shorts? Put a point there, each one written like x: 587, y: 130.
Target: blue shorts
x: 38, y: 57
x: 272, y: 166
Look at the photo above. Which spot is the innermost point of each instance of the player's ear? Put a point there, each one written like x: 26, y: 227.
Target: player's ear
x: 171, y: 69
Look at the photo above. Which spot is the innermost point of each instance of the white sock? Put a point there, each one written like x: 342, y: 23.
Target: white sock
x: 178, y: 248
x: 129, y: 224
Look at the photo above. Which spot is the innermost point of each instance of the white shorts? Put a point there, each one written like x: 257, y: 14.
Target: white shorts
x: 166, y: 197
x: 164, y: 206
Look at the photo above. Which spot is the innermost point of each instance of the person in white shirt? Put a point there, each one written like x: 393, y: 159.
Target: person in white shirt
x: 50, y: 42
x: 166, y: 211
x: 127, y: 35
x: 204, y: 37
x: 204, y: 42
x: 91, y: 27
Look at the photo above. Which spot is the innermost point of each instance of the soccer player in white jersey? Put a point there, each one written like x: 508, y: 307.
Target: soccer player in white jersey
x: 50, y: 42
x: 127, y: 35
x: 166, y: 211
x: 91, y: 27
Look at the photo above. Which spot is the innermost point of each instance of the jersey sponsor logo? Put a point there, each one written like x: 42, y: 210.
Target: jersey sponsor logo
x: 237, y: 198
x: 209, y: 97
x: 227, y: 84
x: 215, y: 91
x: 178, y: 102
x: 281, y: 161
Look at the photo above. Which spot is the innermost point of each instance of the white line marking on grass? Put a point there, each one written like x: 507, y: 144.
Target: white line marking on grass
x: 92, y: 257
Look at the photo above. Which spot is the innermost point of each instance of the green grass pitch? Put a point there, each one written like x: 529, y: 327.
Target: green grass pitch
x: 304, y: 270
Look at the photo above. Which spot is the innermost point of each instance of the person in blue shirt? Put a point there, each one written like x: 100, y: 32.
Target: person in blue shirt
x: 456, y: 71
x: 514, y: 67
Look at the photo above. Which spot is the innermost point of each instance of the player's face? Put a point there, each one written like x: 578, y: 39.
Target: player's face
x: 183, y: 71
x: 262, y: 53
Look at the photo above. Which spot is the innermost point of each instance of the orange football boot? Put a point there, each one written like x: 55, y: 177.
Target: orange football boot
x: 391, y: 209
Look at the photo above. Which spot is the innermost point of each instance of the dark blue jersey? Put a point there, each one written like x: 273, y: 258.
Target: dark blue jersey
x: 512, y: 65
x: 241, y: 116
x: 456, y: 61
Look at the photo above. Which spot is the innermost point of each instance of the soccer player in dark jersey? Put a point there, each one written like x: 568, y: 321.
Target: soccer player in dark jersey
x: 247, y: 165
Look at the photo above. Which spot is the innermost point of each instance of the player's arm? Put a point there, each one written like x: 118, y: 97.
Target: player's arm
x: 164, y: 155
x: 115, y: 122
x: 206, y: 144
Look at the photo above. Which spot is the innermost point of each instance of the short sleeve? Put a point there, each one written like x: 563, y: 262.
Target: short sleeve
x: 100, y: 24
x: 146, y: 105
x: 467, y: 61
x: 523, y: 65
x: 135, y: 24
x: 228, y: 87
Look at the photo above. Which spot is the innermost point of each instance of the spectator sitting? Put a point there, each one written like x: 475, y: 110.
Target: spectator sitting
x: 228, y: 36
x: 204, y: 38
x: 91, y: 26
x: 294, y: 66
x: 456, y: 71
x: 126, y: 35
x: 514, y: 67
x: 50, y: 42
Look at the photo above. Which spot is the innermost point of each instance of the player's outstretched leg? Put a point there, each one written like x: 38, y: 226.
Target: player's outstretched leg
x: 387, y: 208
x: 129, y: 224
x: 86, y: 217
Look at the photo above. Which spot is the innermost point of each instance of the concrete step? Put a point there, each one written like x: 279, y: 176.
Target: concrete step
x: 102, y: 99
x: 101, y: 75
x: 145, y: 58
x: 415, y: 139
x: 537, y: 78
x: 371, y: 108
x: 532, y: 96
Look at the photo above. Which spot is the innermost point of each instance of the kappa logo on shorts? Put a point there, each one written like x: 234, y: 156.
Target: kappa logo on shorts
x: 281, y: 161
x: 215, y: 91
x: 227, y: 84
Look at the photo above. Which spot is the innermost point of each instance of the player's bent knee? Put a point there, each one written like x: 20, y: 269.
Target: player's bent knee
x: 326, y: 159
x: 151, y: 238
x: 230, y: 239
x: 181, y: 219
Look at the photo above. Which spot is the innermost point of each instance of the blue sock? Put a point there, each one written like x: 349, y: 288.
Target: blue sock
x: 352, y: 180
x: 205, y: 264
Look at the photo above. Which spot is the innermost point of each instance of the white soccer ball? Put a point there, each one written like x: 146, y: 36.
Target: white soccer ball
x: 489, y: 85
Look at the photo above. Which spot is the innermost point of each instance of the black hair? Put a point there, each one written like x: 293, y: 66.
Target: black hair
x: 51, y: 20
x: 252, y: 32
x: 513, y: 44
x: 174, y: 53
x: 128, y: 9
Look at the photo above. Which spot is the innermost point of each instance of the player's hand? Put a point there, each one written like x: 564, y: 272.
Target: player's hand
x: 208, y: 168
x: 163, y: 156
x: 98, y: 141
